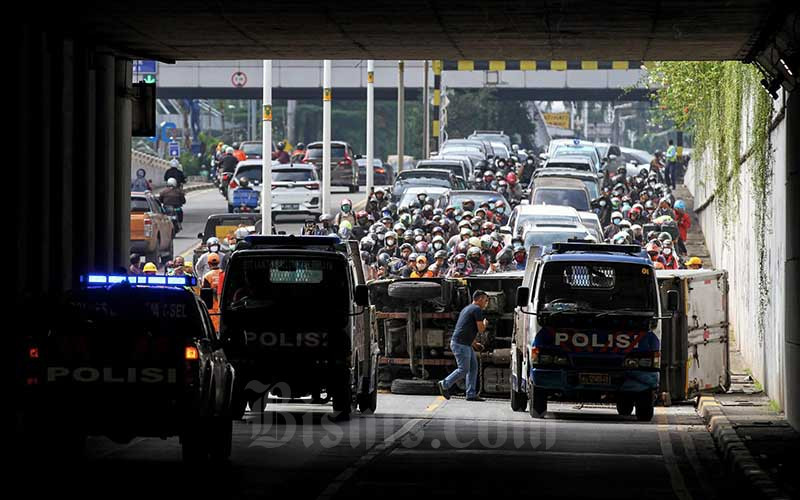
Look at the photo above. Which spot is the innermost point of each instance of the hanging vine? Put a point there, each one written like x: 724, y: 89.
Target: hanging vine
x: 707, y: 98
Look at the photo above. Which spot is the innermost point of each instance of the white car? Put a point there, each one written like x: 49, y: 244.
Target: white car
x: 543, y: 237
x: 434, y: 194
x: 535, y: 215
x: 295, y: 190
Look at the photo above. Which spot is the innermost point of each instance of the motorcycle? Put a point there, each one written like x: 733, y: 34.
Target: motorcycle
x: 176, y: 216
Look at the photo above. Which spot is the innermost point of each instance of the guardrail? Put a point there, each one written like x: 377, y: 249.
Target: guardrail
x: 153, y: 165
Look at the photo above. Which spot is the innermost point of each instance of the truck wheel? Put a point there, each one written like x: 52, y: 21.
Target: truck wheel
x: 220, y: 439
x: 644, y: 407
x: 519, y: 399
x: 415, y: 290
x: 192, y: 445
x: 538, y: 398
x: 624, y: 406
x: 368, y: 403
x: 343, y: 403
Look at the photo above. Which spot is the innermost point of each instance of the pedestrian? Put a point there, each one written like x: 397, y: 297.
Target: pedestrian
x: 672, y: 165
x: 135, y: 268
x: 471, y: 322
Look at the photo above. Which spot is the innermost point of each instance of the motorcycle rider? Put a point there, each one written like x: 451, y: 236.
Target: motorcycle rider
x: 345, y: 214
x: 213, y: 246
x: 460, y: 268
x: 175, y: 171
x: 422, y: 270
x: 613, y: 228
x: 172, y: 196
x: 514, y: 189
x: 299, y: 153
x: 280, y: 154
x: 228, y: 161
x: 326, y: 228
x: 474, y: 259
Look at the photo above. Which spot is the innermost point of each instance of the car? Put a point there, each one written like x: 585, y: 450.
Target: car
x: 610, y: 155
x: 344, y: 171
x: 425, y: 177
x: 580, y: 163
x: 591, y: 221
x: 244, y: 187
x: 222, y: 226
x: 434, y: 195
x: 544, y: 236
x: 524, y: 216
x: 295, y: 190
x: 561, y: 191
x: 127, y: 357
x: 382, y: 173
x: 457, y: 197
x: 492, y: 135
x: 152, y: 232
x: 635, y: 160
x: 589, y: 180
x: 459, y: 167
x: 254, y: 150
x: 332, y: 351
x: 461, y: 145
x: 583, y: 150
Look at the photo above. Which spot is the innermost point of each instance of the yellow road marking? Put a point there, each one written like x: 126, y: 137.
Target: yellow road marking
x: 670, y: 461
x: 435, y: 405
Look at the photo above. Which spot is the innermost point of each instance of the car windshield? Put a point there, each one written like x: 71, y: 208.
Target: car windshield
x: 410, y: 197
x: 288, y: 285
x: 560, y: 196
x: 139, y: 205
x: 532, y: 219
x: 296, y: 175
x: 252, y: 172
x: 591, y: 186
x: 458, y: 199
x: 638, y: 157
x: 545, y: 239
x: 454, y: 168
x: 585, y: 167
x: 590, y: 153
x: 600, y: 286
x: 252, y: 149
x: 459, y: 149
x: 315, y: 152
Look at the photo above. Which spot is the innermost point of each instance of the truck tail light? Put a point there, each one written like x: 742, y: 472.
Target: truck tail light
x: 148, y: 226
x: 191, y: 353
x: 534, y: 355
x: 33, y: 353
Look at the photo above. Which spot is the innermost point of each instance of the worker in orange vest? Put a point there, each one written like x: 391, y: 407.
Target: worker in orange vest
x: 212, y: 280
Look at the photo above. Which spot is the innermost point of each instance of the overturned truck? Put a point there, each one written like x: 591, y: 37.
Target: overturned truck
x: 416, y: 318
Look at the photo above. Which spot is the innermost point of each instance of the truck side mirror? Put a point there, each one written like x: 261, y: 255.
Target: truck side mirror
x: 207, y: 296
x: 672, y: 300
x: 523, y: 296
x: 362, y: 295
x: 200, y: 236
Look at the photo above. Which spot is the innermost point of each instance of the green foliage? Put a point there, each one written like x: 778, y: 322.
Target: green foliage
x: 707, y: 99
x: 474, y: 109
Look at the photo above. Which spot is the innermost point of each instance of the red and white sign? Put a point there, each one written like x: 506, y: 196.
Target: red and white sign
x: 239, y: 79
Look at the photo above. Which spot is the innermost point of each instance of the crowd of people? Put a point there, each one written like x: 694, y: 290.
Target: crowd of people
x: 423, y: 240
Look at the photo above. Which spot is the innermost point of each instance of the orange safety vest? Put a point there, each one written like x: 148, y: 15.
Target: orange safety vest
x: 212, y: 280
x: 239, y: 154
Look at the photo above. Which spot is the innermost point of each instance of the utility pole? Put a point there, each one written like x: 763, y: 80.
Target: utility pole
x: 266, y: 150
x: 401, y: 116
x: 370, y: 125
x: 326, y: 137
x: 426, y: 119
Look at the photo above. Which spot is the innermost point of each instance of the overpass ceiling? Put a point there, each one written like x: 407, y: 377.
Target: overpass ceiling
x: 399, y: 29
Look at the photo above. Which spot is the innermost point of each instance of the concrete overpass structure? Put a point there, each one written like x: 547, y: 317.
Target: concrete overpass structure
x: 302, y: 79
x: 74, y: 95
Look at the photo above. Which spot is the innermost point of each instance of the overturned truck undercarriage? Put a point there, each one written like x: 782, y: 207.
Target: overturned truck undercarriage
x: 416, y: 318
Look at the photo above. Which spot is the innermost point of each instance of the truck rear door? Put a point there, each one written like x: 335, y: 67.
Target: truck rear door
x: 707, y: 326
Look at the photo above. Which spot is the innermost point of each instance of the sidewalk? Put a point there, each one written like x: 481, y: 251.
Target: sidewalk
x: 696, y: 243
x: 757, y: 443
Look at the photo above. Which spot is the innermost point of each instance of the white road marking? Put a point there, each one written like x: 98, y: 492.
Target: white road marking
x: 671, y: 463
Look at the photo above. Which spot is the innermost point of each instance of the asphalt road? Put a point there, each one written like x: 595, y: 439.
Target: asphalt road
x: 201, y: 204
x: 420, y: 446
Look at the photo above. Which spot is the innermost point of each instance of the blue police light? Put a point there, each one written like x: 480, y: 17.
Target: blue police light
x: 153, y: 280
x: 576, y: 141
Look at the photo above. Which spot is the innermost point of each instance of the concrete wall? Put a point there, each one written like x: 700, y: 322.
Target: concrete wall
x: 735, y: 250
x: 154, y: 166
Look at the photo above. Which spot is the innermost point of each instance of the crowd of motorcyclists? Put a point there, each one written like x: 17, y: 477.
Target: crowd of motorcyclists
x: 426, y: 240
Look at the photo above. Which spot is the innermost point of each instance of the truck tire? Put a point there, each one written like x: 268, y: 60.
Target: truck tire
x: 415, y: 290
x: 220, y: 439
x: 538, y: 402
x: 625, y: 406
x: 343, y: 403
x: 193, y: 448
x: 416, y: 386
x: 368, y: 403
x: 644, y: 407
x: 519, y: 399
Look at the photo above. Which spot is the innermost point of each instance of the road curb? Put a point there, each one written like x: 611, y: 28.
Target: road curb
x: 735, y: 454
x: 198, y: 187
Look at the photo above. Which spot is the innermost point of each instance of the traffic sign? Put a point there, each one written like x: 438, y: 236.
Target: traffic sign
x: 144, y: 66
x: 174, y: 149
x: 165, y: 130
x: 239, y: 79
x: 149, y: 79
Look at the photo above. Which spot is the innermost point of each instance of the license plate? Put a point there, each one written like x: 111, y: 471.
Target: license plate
x: 291, y: 206
x: 594, y: 378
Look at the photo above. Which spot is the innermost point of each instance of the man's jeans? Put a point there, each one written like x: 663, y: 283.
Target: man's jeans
x: 467, y: 366
x: 672, y: 174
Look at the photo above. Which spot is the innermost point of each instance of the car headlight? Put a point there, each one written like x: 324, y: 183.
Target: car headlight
x: 646, y: 362
x: 561, y: 360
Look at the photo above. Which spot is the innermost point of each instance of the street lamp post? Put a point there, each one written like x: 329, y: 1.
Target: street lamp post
x: 266, y: 150
x: 370, y: 124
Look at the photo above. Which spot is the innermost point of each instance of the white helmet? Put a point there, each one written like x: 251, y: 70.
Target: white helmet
x: 241, y: 233
x: 174, y: 163
x: 172, y: 182
x: 229, y: 150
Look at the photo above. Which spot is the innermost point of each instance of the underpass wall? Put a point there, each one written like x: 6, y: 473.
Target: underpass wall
x: 734, y: 248
x: 154, y: 166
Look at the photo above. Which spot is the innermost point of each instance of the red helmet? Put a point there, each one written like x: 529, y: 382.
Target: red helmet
x: 511, y: 178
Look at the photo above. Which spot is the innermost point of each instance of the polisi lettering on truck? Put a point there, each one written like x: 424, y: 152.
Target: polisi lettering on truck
x: 614, y: 342
x: 113, y: 375
x: 283, y: 339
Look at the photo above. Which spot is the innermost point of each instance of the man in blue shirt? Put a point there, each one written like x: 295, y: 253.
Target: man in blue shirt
x: 672, y: 165
x: 470, y: 323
